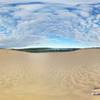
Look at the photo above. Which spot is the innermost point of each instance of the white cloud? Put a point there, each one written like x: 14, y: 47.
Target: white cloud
x: 26, y: 25
x: 52, y: 1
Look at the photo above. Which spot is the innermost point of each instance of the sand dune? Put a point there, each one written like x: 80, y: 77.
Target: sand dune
x: 49, y: 76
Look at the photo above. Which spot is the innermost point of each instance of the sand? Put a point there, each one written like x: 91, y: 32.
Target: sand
x: 49, y: 76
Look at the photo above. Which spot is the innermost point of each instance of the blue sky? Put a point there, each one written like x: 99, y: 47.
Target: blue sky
x: 49, y: 23
x: 52, y: 1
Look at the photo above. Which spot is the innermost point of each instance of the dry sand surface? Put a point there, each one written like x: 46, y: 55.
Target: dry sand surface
x: 49, y: 76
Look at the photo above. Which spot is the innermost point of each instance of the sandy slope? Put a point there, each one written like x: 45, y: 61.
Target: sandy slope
x: 49, y: 76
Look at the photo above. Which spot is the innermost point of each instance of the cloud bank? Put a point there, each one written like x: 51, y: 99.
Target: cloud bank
x: 35, y: 23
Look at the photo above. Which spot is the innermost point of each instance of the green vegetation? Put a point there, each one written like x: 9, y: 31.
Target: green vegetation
x: 39, y: 50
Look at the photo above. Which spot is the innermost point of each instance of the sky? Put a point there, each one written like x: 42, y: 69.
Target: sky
x: 72, y: 2
x: 49, y: 23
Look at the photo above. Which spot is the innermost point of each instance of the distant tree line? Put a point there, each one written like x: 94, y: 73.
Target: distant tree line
x: 47, y: 49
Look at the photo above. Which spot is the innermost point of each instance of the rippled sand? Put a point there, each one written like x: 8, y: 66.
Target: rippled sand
x: 49, y: 76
